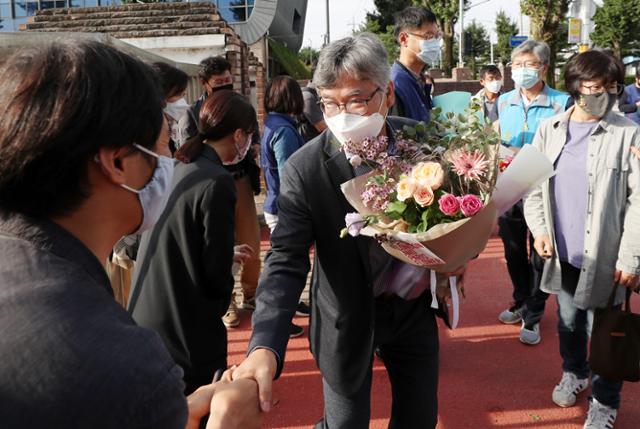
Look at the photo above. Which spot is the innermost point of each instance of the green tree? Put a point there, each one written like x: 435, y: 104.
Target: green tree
x: 546, y: 17
x: 385, y: 10
x: 505, y: 29
x: 617, y: 25
x: 480, y: 48
x: 388, y: 40
x: 308, y: 56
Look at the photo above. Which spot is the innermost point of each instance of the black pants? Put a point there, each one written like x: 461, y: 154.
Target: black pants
x: 525, y: 271
x: 407, y: 336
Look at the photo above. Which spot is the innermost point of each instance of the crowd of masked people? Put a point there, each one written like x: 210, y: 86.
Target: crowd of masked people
x: 102, y: 160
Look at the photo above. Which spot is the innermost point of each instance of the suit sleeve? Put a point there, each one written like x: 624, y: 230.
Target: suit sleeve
x: 286, y: 268
x: 625, y: 104
x: 218, y: 218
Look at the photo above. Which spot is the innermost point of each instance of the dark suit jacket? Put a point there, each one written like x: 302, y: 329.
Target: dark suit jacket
x: 183, y: 279
x: 311, y: 211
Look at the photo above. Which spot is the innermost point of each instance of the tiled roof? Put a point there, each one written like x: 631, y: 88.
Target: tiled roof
x: 134, y: 20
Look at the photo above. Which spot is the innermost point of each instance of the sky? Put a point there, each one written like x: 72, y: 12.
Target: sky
x: 345, y: 15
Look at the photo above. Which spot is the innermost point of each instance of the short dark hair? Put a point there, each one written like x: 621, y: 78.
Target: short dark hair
x: 173, y: 80
x: 638, y: 71
x: 592, y: 65
x: 489, y: 70
x: 60, y: 103
x: 212, y: 66
x: 283, y: 95
x: 221, y: 114
x: 412, y: 17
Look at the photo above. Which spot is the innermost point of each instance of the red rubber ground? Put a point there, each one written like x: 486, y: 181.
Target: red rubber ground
x: 488, y: 379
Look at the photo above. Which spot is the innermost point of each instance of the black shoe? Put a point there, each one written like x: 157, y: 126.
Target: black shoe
x: 295, y: 331
x: 302, y: 309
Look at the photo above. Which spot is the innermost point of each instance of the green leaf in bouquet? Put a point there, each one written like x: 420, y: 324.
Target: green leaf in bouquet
x: 422, y: 227
x: 396, y: 207
x: 462, y: 118
x: 409, y: 131
x: 411, y: 214
x: 421, y: 128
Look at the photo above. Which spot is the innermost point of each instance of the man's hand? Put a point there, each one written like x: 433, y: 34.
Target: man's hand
x: 242, y: 253
x: 199, y: 403
x: 626, y: 279
x: 543, y: 246
x: 635, y: 151
x: 261, y: 365
x: 235, y: 405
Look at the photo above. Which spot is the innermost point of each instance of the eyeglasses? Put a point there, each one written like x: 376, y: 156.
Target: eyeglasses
x: 614, y: 88
x: 357, y: 106
x: 427, y: 36
x: 526, y: 64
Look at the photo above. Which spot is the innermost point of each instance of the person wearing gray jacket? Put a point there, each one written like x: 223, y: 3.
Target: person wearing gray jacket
x: 586, y: 220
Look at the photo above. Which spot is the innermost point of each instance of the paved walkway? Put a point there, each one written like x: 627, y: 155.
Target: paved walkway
x: 488, y: 379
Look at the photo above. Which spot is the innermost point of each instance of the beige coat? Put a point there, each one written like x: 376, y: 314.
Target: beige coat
x: 612, y: 228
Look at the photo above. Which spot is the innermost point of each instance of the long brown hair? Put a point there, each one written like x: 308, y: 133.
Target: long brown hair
x: 221, y: 114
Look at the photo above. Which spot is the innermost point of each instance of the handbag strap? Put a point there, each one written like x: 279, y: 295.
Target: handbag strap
x: 612, y: 296
x: 627, y: 302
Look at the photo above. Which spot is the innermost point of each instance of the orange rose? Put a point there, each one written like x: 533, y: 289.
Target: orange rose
x: 423, y: 196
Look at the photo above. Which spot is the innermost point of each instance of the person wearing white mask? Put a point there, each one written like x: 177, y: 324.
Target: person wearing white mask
x: 70, y: 187
x: 520, y: 113
x: 174, y: 83
x: 353, y: 308
x: 183, y: 280
x: 491, y: 81
x: 418, y: 35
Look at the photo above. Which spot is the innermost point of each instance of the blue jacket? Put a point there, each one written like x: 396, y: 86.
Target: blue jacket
x: 518, y: 124
x: 279, y: 140
x: 413, y: 97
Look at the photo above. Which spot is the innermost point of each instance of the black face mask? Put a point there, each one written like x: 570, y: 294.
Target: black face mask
x: 221, y: 87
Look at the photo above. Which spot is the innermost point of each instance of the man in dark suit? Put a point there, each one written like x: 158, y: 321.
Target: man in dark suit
x: 352, y: 312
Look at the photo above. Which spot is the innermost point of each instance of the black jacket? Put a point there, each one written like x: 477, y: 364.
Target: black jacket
x: 183, y: 280
x: 311, y: 211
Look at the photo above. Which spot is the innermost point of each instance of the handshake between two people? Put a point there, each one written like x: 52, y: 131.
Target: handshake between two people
x: 543, y: 245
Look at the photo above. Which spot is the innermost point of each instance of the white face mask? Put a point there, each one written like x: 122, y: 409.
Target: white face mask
x: 177, y: 109
x: 493, y: 86
x: 241, y: 152
x: 155, y: 194
x: 348, y: 126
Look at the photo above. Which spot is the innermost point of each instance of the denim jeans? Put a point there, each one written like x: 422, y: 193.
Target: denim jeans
x: 574, y: 330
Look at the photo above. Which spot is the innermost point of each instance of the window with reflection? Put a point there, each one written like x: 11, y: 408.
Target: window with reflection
x: 235, y: 10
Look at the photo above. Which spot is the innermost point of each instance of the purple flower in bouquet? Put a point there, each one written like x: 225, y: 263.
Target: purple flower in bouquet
x: 449, y: 204
x: 470, y: 165
x: 355, y: 222
x: 376, y: 197
x: 470, y: 204
x: 373, y: 147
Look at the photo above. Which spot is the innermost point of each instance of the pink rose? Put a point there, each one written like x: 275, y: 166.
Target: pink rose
x: 449, y: 204
x: 470, y: 205
x: 423, y: 196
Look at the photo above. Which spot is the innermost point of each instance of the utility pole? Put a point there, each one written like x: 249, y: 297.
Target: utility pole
x: 353, y: 25
x: 461, y: 41
x: 327, y: 37
x: 491, y: 44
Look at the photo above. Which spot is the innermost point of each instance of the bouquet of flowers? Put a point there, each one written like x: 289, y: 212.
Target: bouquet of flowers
x: 432, y: 180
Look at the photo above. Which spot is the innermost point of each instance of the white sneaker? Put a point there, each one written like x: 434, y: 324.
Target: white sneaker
x: 566, y: 392
x: 600, y: 416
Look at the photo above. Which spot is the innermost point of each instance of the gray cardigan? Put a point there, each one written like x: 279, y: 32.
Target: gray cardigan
x: 612, y: 228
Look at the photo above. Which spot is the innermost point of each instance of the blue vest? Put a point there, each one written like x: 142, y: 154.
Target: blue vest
x: 415, y: 98
x: 633, y: 93
x: 273, y: 123
x: 518, y: 124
